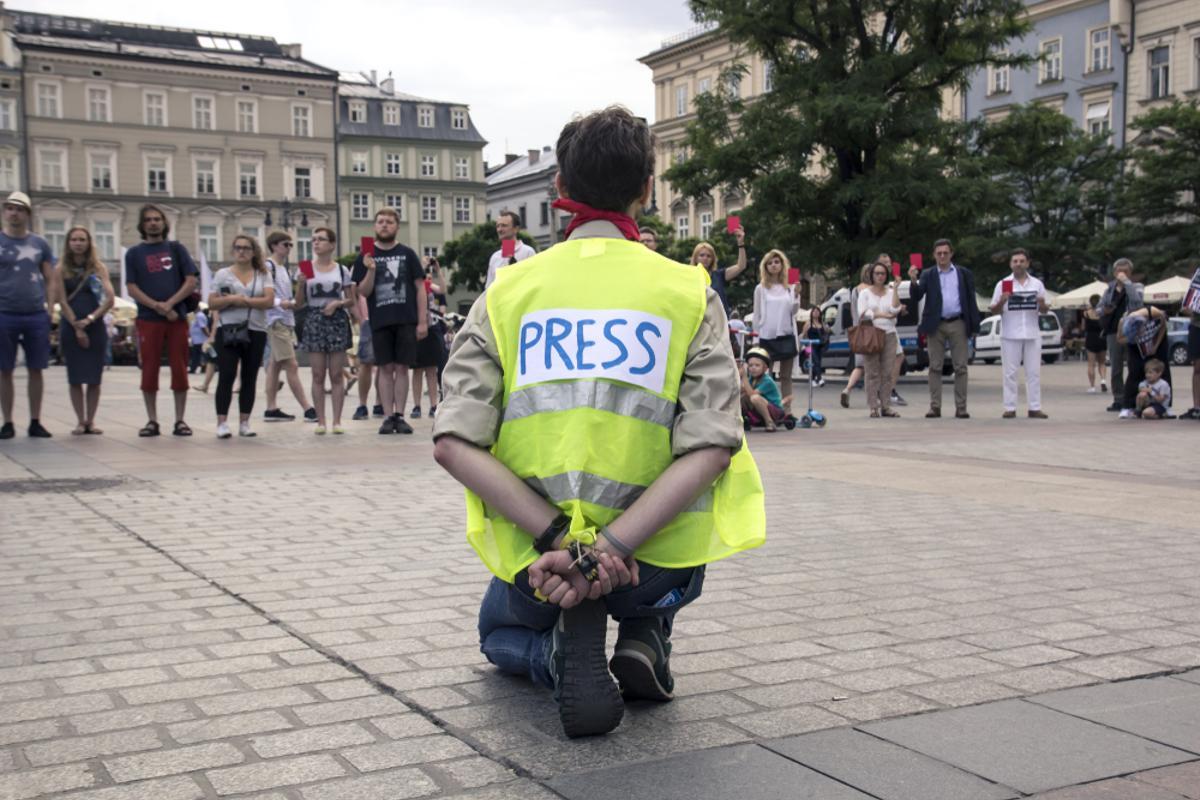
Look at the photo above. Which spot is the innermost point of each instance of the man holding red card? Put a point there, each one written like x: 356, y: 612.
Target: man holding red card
x: 390, y: 276
x: 950, y: 317
x: 512, y: 249
x: 1019, y: 299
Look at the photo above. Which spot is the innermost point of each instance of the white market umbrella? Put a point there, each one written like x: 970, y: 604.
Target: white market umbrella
x: 1078, y: 298
x: 1171, y: 290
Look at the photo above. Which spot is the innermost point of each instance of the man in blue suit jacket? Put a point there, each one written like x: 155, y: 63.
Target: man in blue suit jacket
x: 950, y: 315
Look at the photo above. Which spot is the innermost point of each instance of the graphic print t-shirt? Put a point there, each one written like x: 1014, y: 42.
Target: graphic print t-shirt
x: 393, y: 301
x: 22, y: 285
x: 152, y: 267
x: 326, y: 287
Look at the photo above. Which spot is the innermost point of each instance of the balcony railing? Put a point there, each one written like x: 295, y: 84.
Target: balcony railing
x: 690, y: 33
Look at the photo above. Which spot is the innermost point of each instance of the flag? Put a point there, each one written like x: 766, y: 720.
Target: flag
x: 205, y: 278
x: 124, y: 288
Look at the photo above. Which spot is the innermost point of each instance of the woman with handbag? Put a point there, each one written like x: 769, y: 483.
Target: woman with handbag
x: 241, y: 294
x: 879, y: 305
x: 775, y: 307
x: 84, y: 284
x: 327, y: 334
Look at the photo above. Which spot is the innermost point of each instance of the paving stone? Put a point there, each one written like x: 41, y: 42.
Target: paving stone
x: 173, y: 762
x: 253, y: 701
x: 1025, y: 746
x: 392, y: 785
x: 82, y: 748
x: 747, y: 772
x: 309, y: 740
x: 271, y: 774
x: 345, y: 710
x: 212, y: 728
x: 406, y: 752
x: 28, y: 731
x: 473, y: 772
x: 787, y: 721
x: 1163, y: 709
x: 1115, y: 789
x: 883, y: 769
x: 54, y: 707
x: 878, y: 705
x: 45, y: 782
x: 1183, y: 779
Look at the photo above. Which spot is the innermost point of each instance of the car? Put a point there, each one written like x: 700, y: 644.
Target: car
x: 1177, y: 341
x: 987, y: 341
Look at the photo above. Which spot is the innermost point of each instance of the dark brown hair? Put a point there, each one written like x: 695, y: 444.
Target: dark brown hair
x: 256, y: 257
x: 606, y: 158
x: 329, y: 234
x: 1019, y: 251
x: 276, y: 237
x: 141, y: 226
x: 941, y: 242
x: 513, y: 217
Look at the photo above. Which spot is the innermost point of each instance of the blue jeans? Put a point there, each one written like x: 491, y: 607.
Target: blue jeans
x: 515, y: 627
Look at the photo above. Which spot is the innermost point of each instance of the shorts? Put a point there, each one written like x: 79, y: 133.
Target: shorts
x: 859, y: 361
x: 32, y: 333
x: 430, y: 350
x: 395, y: 344
x: 1194, y: 342
x: 281, y: 338
x: 153, y: 336
x: 366, y: 346
x: 1159, y: 409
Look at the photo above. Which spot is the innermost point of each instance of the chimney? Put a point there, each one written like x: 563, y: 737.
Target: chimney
x: 509, y: 158
x: 388, y: 85
x: 291, y: 50
x: 373, y: 82
x: 533, y: 156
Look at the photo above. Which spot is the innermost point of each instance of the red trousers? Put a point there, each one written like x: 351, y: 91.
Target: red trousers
x: 153, y: 335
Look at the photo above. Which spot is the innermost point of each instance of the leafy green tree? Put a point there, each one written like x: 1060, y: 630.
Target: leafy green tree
x: 847, y: 154
x: 468, y: 256
x: 1159, y: 201
x: 1051, y: 186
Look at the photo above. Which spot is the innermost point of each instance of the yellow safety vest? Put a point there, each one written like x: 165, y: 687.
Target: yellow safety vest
x: 593, y: 336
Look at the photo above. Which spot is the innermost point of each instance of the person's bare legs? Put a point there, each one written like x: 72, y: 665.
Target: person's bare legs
x: 76, y: 392
x: 365, y: 371
x: 180, y: 405
x: 1091, y: 357
x: 7, y: 391
x: 337, y: 382
x: 856, y: 375
x: 417, y: 375
x: 318, y: 363
x: 785, y: 383
x: 401, y: 390
x: 431, y: 385
x: 93, y: 403
x: 36, y: 388
x: 764, y: 410
x: 387, y: 388
x: 150, y: 399
x: 272, y: 387
x: 210, y: 369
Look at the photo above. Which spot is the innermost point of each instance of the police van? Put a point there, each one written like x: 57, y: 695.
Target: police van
x: 838, y: 319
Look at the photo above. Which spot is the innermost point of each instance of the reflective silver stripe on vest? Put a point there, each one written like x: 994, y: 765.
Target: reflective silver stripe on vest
x: 600, y: 491
x: 623, y: 400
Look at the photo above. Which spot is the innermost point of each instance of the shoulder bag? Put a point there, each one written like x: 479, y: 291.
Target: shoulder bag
x: 238, y: 334
x: 865, y: 339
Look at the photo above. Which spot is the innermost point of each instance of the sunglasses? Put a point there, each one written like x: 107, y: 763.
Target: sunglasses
x: 288, y: 245
x: 243, y: 248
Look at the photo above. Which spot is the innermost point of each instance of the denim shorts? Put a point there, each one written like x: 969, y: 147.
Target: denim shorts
x: 32, y: 333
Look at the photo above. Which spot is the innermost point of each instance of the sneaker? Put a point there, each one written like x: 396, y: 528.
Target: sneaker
x: 1037, y: 413
x: 337, y: 430
x: 7, y: 431
x: 1114, y: 406
x: 961, y: 414
x: 845, y: 399
x: 277, y: 415
x: 589, y: 702
x: 37, y: 431
x: 432, y: 412
x: 377, y: 411
x: 1092, y: 390
x: 1103, y: 387
x: 400, y: 425
x: 897, y: 400
x: 1009, y: 415
x: 933, y: 413
x: 1191, y: 413
x: 1127, y: 413
x: 361, y: 413
x: 416, y: 412
x: 223, y: 431
x: 641, y: 660
x: 320, y: 430
x: 388, y: 426
x: 310, y: 415
x: 244, y: 429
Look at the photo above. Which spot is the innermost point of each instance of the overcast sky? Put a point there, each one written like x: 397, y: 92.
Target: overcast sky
x: 523, y: 67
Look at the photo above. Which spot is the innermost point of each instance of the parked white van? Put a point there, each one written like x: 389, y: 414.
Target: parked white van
x: 836, y: 313
x: 987, y: 341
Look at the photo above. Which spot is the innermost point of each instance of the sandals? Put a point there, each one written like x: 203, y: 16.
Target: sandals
x: 887, y: 412
x: 80, y: 429
x: 181, y: 429
x: 88, y: 429
x: 151, y: 429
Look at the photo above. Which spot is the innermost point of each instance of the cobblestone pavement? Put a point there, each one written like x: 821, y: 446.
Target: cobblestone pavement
x: 293, y: 616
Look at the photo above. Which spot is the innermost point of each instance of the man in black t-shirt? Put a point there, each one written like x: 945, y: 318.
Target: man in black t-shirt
x: 394, y: 284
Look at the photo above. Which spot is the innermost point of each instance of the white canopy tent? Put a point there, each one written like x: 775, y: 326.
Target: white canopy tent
x: 1171, y: 290
x: 1078, y: 298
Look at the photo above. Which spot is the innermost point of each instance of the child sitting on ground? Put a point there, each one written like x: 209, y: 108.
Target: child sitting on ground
x: 1154, y: 393
x: 761, y: 401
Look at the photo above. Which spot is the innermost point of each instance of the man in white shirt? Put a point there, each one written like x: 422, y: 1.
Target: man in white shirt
x: 1019, y: 299
x: 508, y: 224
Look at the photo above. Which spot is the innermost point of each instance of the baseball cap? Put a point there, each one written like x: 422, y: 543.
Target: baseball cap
x: 19, y: 199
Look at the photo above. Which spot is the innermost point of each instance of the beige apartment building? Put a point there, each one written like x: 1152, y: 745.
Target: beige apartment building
x: 228, y: 133
x: 1163, y: 38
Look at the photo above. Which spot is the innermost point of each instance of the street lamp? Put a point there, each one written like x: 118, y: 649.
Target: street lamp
x: 285, y: 215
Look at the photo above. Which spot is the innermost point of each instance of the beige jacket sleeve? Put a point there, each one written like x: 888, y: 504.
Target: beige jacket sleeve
x: 709, y: 413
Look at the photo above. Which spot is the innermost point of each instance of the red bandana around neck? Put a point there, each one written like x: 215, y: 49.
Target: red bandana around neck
x: 585, y: 213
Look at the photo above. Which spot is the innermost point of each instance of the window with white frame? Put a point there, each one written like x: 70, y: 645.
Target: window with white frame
x: 104, y: 236
x: 154, y: 109
x: 462, y: 168
x: 304, y: 244
x: 8, y: 173
x: 206, y: 177
x: 99, y: 104
x: 1160, y: 71
x: 48, y: 100
x: 1098, y: 119
x: 202, y: 113
x: 544, y: 213
x: 391, y: 163
x: 429, y: 251
x: 462, y: 209
x: 682, y: 225
x: 1099, y: 49
x: 156, y: 173
x: 52, y: 169
x: 391, y: 113
x: 253, y: 231
x: 458, y: 119
x: 429, y: 208
x: 101, y: 171
x: 247, y: 116
x: 425, y: 117
x: 398, y: 202
x: 428, y: 166
x: 706, y: 222
x: 704, y: 85
x: 358, y: 163
x: 248, y: 178
x: 8, y: 118
x: 302, y: 182
x: 768, y: 76
x: 301, y: 120
x: 54, y: 231
x: 208, y: 238
x: 356, y: 110
x: 681, y: 105
x: 360, y: 205
x: 1051, y: 64
x: 998, y: 78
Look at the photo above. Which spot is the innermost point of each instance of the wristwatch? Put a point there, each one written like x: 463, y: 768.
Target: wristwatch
x: 558, y: 527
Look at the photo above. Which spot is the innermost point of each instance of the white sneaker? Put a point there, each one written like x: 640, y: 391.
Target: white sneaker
x: 223, y: 431
x: 1127, y: 413
x: 1092, y: 390
x: 244, y: 429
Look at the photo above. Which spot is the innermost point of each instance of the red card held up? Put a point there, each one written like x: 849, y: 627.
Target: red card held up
x: 1006, y: 287
x: 367, y: 246
x: 306, y: 269
x: 914, y: 260
x: 508, y: 248
x: 794, y: 275
x: 895, y: 269
x: 733, y: 223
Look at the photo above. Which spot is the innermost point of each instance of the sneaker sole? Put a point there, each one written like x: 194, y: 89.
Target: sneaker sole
x: 634, y: 671
x: 589, y: 702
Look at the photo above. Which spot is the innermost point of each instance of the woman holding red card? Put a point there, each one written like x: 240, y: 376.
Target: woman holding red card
x: 328, y: 293
x: 705, y: 255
